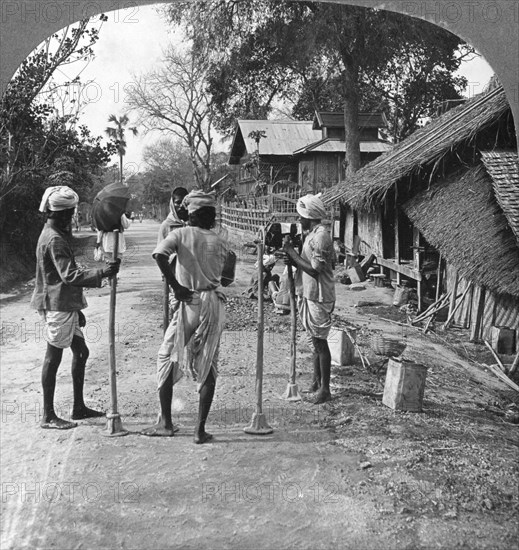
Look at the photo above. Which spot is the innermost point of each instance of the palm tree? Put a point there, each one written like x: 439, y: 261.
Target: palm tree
x: 116, y: 134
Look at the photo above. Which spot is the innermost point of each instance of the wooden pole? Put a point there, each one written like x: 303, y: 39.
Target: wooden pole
x: 417, y: 265
x: 476, y: 329
x: 450, y: 317
x: 293, y: 326
x: 259, y: 424
x: 292, y: 391
x: 114, y: 424
x: 261, y: 334
x: 453, y: 295
x: 111, y: 327
x: 515, y: 365
x: 397, y: 242
x: 439, y: 277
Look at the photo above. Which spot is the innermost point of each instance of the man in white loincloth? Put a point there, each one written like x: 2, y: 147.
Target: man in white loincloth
x: 58, y: 297
x: 199, y: 316
x: 315, y: 288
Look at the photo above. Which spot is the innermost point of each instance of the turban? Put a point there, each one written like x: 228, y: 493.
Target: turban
x: 311, y: 207
x: 198, y: 199
x: 59, y: 197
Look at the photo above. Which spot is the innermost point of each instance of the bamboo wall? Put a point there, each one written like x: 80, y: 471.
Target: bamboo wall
x: 370, y: 232
x: 499, y: 310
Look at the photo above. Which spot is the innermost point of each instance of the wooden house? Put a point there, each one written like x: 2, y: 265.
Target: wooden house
x: 307, y: 155
x: 442, y: 209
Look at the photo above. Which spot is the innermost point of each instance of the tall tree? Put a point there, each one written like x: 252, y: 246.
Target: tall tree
x: 117, y: 133
x: 263, y: 50
x: 23, y: 109
x: 173, y: 100
x: 35, y: 143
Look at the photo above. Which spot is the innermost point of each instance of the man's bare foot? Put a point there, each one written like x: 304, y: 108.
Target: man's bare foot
x: 57, y: 424
x: 204, y: 437
x: 84, y: 412
x: 158, y: 430
x: 314, y: 387
x: 322, y: 397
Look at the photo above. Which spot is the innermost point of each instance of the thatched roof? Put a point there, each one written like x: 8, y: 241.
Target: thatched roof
x: 503, y: 167
x: 461, y: 218
x: 424, y: 147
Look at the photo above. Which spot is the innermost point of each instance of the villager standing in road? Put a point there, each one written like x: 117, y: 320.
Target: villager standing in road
x: 58, y: 297
x: 315, y: 288
x: 177, y: 216
x: 199, y: 313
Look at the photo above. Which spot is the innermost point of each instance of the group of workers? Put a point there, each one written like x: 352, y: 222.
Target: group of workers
x: 191, y: 257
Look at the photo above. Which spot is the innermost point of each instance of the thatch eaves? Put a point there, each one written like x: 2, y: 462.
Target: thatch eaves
x: 424, y: 147
x: 461, y: 218
x: 503, y: 168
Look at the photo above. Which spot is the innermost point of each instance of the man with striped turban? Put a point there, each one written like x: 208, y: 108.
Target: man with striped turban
x: 58, y: 298
x: 199, y: 314
x: 315, y: 288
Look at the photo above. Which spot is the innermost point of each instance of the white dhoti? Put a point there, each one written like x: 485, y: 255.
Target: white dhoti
x: 316, y: 317
x: 197, y: 325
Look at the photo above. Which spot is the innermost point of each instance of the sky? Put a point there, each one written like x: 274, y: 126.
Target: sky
x: 131, y: 43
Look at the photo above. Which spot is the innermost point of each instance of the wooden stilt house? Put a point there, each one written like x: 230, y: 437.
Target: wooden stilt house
x: 441, y: 210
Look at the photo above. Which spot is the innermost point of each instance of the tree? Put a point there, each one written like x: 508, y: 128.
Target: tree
x: 167, y: 165
x: 37, y: 146
x: 173, y: 100
x: 263, y: 50
x: 171, y: 160
x: 117, y: 135
x: 23, y: 112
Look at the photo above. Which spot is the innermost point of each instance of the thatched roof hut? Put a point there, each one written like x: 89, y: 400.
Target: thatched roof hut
x: 503, y: 167
x: 474, y: 235
x: 422, y: 152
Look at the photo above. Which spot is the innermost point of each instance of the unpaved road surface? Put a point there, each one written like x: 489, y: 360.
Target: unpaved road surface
x: 350, y: 474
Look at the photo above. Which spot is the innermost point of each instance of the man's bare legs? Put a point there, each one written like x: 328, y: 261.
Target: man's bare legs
x: 206, y: 399
x: 324, y: 361
x: 164, y: 425
x: 51, y: 364
x: 80, y: 355
x: 316, y: 380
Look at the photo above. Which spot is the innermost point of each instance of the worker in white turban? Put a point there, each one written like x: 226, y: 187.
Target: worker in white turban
x: 58, y: 298
x: 311, y: 207
x: 57, y: 198
x: 315, y: 288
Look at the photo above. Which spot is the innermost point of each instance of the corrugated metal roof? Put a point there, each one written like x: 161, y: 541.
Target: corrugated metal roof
x: 337, y: 146
x: 336, y: 120
x: 503, y: 168
x: 283, y: 137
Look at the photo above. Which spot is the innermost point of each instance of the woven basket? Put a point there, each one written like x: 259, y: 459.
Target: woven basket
x: 389, y: 347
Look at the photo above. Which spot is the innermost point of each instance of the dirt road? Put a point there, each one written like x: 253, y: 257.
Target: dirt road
x: 351, y: 474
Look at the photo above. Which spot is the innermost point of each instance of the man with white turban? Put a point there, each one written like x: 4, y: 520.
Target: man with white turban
x: 199, y: 314
x: 315, y: 288
x: 58, y: 297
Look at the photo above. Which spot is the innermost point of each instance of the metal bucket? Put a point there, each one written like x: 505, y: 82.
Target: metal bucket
x: 405, y: 385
